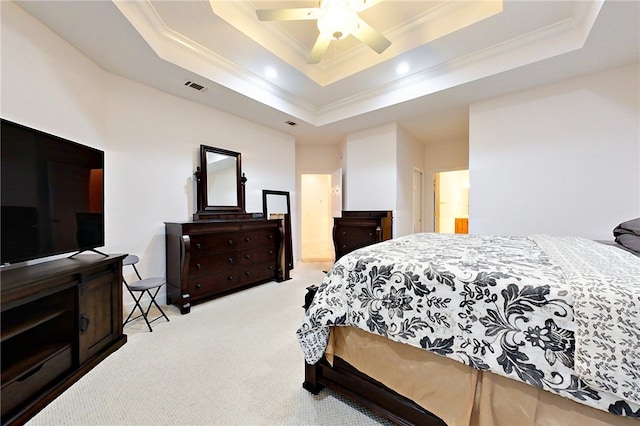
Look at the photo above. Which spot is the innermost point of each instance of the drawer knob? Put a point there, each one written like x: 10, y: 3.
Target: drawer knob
x: 230, y: 278
x: 198, y: 245
x: 198, y: 285
x: 247, y: 239
x: 270, y: 268
x: 270, y: 251
x: 230, y: 242
x: 198, y: 266
x: 230, y: 260
x: 344, y: 232
x: 270, y: 237
x: 247, y: 273
x: 248, y: 256
x: 371, y: 234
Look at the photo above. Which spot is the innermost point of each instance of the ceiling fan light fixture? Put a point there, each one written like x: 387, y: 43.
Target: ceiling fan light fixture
x: 337, y: 19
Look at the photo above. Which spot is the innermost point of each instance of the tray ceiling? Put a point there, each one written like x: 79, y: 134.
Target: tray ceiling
x: 259, y: 68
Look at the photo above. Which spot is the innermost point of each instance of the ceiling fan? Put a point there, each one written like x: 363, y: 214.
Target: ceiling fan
x: 336, y: 19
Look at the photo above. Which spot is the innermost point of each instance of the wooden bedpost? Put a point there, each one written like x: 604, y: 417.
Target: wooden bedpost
x: 311, y: 372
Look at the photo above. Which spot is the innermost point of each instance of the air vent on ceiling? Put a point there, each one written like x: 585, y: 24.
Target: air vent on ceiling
x: 195, y: 86
x: 291, y: 123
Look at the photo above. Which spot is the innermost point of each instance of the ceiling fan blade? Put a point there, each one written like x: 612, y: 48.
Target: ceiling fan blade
x: 371, y: 37
x: 301, y: 14
x: 321, y: 45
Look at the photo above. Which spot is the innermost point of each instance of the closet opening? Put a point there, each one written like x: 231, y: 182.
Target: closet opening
x: 451, y: 202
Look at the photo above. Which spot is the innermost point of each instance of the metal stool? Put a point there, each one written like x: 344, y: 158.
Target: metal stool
x: 141, y: 287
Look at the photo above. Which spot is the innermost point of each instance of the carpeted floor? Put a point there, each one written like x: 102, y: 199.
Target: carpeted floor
x: 231, y: 361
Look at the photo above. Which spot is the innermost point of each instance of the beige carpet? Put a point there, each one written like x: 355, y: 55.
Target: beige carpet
x: 231, y: 361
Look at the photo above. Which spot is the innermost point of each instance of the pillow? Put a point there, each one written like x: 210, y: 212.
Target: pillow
x: 629, y: 241
x: 629, y: 227
x: 628, y: 234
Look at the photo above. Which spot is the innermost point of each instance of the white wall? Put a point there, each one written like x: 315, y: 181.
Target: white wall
x: 562, y: 159
x: 151, y: 139
x: 410, y: 155
x: 370, y: 170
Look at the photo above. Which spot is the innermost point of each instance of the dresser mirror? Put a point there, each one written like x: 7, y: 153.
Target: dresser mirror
x: 219, y: 180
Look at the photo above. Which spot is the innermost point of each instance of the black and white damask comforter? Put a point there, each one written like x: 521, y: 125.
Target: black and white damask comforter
x: 558, y: 313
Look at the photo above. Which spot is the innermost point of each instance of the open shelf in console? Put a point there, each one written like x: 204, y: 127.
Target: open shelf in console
x: 37, y: 345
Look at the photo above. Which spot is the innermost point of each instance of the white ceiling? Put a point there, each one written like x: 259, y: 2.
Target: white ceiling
x: 457, y: 52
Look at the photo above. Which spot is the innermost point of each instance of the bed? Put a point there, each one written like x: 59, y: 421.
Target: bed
x: 475, y: 330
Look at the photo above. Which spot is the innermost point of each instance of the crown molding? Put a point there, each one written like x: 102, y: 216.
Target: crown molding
x: 554, y: 39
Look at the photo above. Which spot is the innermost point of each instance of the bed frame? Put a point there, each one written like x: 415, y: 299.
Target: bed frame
x: 356, y: 386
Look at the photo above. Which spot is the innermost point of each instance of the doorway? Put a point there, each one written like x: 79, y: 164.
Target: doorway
x: 451, y: 203
x: 316, y: 218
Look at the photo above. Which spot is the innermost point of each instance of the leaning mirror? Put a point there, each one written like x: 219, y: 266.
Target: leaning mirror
x: 220, y: 182
x: 276, y: 205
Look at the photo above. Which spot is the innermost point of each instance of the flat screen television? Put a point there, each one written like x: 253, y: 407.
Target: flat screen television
x: 52, y: 194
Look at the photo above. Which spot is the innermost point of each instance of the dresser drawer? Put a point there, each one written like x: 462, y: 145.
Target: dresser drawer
x: 206, y: 285
x: 364, y: 235
x: 256, y: 255
x: 262, y: 238
x: 213, y: 243
x: 257, y: 273
x: 206, y: 264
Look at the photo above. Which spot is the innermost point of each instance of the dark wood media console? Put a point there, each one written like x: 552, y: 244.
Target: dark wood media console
x: 59, y: 320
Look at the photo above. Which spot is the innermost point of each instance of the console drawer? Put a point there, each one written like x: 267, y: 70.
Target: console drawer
x: 36, y: 379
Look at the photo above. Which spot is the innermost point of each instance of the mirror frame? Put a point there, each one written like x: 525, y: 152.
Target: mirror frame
x: 287, y: 243
x: 266, y: 193
x: 203, y: 199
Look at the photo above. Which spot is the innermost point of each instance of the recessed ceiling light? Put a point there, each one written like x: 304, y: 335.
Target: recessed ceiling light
x: 402, y: 68
x: 270, y: 72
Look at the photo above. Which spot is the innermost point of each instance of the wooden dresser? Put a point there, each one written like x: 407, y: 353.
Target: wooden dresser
x: 356, y: 229
x: 59, y: 320
x: 207, y: 258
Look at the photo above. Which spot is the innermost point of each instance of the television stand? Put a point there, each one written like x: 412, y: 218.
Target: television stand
x: 59, y: 320
x: 93, y: 250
